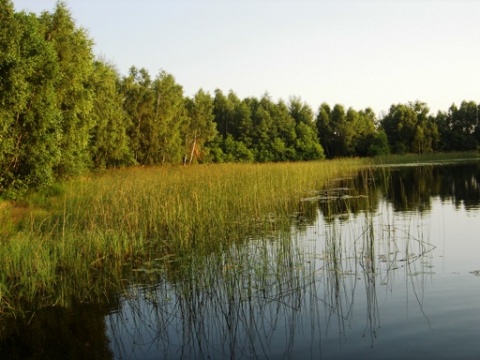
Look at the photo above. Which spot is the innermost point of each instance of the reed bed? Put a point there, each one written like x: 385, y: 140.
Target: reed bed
x: 298, y: 285
x: 437, y: 157
x: 79, y: 240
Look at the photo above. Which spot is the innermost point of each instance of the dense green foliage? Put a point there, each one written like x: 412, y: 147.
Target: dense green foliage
x: 349, y: 133
x: 63, y: 112
x: 29, y: 116
x: 459, y: 128
x: 409, y: 129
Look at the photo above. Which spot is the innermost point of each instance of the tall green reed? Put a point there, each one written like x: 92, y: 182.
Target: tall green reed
x: 77, y: 243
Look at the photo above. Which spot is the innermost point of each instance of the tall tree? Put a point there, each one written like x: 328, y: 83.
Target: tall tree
x: 234, y: 123
x: 242, y: 120
x: 263, y: 136
x: 74, y: 99
x: 223, y: 112
x: 109, y: 143
x: 307, y: 146
x: 165, y: 137
x: 333, y: 130
x: 325, y: 130
x: 278, y: 125
x: 410, y: 129
x: 199, y: 127
x: 29, y: 126
x: 349, y: 132
x: 446, y: 141
x: 286, y: 133
x: 138, y: 103
x: 365, y: 131
x: 459, y: 127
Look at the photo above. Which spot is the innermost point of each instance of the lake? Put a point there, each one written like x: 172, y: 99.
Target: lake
x: 385, y: 264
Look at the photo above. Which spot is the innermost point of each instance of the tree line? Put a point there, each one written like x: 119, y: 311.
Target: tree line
x: 63, y: 112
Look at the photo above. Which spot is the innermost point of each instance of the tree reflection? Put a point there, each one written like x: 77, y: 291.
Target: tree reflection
x: 407, y: 188
x: 412, y: 188
x: 57, y: 333
x: 461, y: 184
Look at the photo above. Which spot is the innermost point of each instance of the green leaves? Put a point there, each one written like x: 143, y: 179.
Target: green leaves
x: 157, y: 114
x: 409, y: 128
x: 459, y: 128
x: 74, y: 99
x: 109, y: 143
x: 345, y: 133
x: 263, y: 131
x: 307, y: 146
x: 166, y: 139
x: 199, y: 126
x: 29, y: 128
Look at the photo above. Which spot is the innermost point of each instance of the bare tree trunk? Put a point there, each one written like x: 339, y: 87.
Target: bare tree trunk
x: 193, y: 149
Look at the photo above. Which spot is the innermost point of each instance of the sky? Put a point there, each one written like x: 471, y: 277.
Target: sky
x: 357, y: 53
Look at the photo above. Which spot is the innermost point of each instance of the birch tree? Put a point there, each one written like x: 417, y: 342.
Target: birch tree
x: 199, y: 127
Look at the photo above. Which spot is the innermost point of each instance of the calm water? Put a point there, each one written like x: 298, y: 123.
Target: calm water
x: 383, y: 265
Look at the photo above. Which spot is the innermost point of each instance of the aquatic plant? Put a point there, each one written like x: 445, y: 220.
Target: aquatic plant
x: 71, y: 244
x: 300, y: 285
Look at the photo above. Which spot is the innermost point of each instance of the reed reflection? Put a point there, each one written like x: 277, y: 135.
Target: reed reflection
x: 233, y: 305
x: 283, y: 293
x: 57, y: 333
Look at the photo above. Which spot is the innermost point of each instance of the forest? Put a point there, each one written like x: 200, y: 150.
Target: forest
x: 65, y: 112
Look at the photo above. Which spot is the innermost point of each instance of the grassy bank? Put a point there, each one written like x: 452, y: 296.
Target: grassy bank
x: 426, y: 158
x: 82, y: 239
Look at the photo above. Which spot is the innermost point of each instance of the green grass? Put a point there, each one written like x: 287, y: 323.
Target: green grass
x: 426, y: 158
x: 82, y: 240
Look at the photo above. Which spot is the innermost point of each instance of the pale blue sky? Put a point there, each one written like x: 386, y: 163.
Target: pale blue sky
x: 357, y: 53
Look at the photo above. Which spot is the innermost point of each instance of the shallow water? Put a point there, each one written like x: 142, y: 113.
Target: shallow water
x: 385, y: 265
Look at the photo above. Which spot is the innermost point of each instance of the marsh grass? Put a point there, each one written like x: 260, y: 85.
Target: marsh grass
x: 79, y: 240
x: 297, y: 285
x: 436, y: 157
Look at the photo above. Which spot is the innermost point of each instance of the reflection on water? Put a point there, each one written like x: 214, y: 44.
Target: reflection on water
x: 58, y: 334
x: 231, y: 306
x: 381, y: 265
